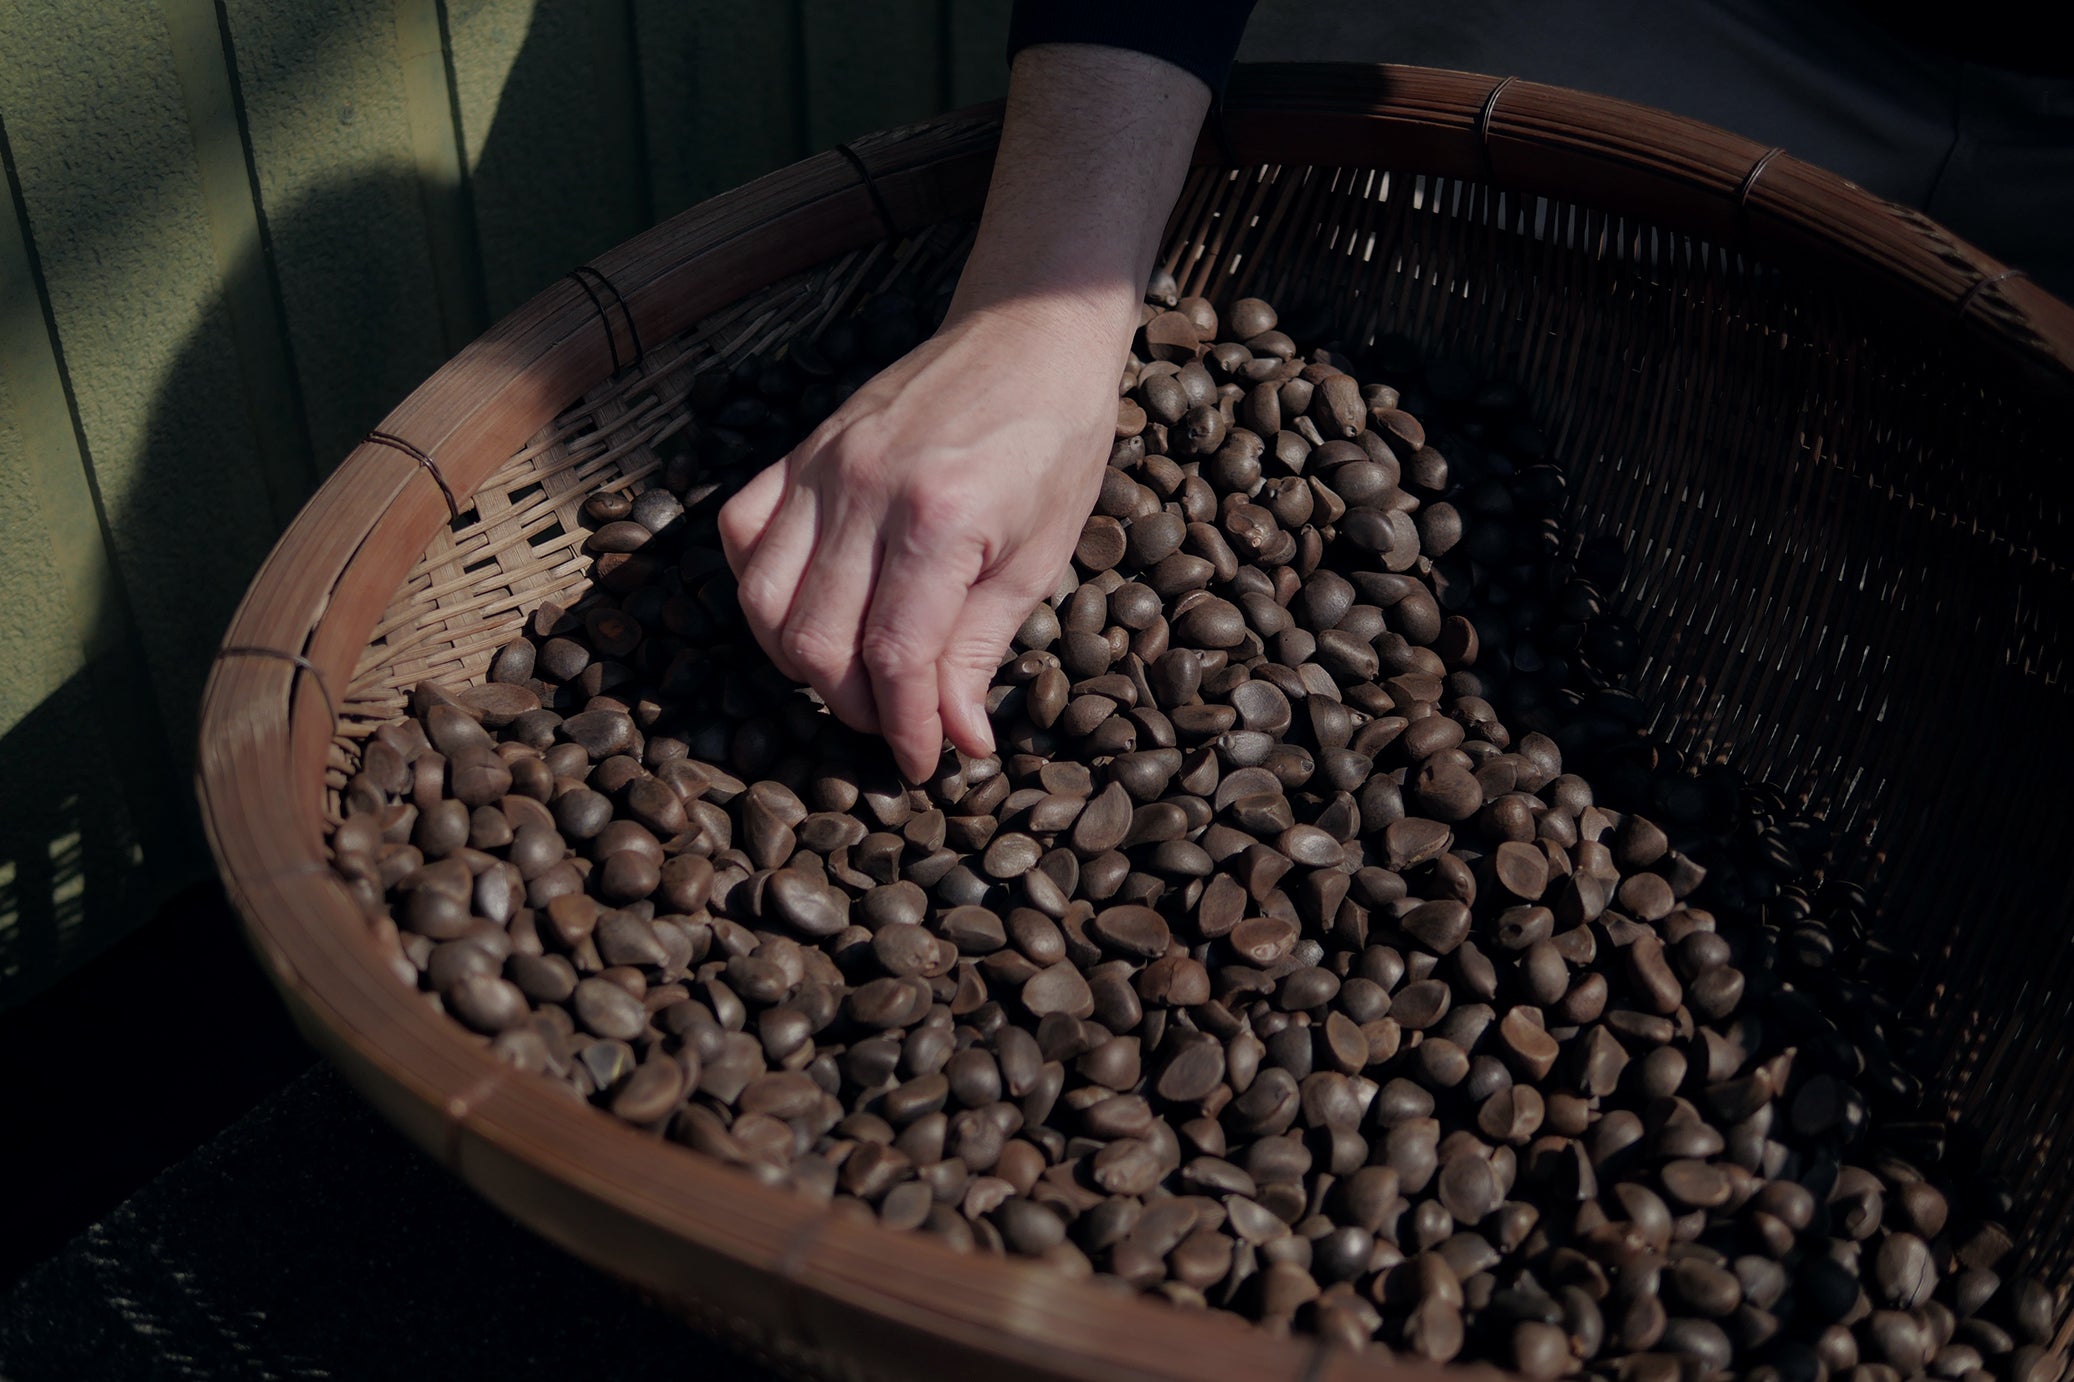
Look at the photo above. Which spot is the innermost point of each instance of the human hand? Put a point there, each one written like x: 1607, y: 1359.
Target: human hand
x: 890, y: 558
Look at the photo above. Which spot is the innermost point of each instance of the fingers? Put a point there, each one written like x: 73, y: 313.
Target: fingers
x: 821, y: 635
x: 744, y: 517
x: 804, y: 577
x: 993, y: 612
x: 768, y: 582
x: 922, y: 590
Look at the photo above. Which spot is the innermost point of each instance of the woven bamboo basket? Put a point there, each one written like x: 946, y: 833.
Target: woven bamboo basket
x: 1822, y: 425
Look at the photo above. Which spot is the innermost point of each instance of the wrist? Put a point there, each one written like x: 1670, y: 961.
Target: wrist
x: 1091, y: 324
x: 1093, y: 150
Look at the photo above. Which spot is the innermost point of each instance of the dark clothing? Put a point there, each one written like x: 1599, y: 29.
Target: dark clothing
x: 1198, y: 36
x: 2010, y: 34
x: 1988, y: 150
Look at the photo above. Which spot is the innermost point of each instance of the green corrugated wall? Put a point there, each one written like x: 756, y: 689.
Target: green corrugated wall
x: 235, y: 234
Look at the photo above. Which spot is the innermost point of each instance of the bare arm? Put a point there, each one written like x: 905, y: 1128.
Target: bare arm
x: 1093, y: 152
x: 890, y: 558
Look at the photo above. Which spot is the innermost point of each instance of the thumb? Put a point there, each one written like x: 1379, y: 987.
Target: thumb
x: 994, y: 610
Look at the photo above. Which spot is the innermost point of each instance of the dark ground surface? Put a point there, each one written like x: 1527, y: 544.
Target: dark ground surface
x: 129, y: 1064
x: 308, y: 1240
x: 304, y: 1240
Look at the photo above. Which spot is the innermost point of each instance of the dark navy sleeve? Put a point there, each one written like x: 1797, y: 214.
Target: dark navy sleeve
x: 1200, y: 37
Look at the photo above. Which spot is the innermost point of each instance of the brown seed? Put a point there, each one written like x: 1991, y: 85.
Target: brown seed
x: 1249, y: 317
x: 1134, y: 930
x: 1174, y: 336
x: 973, y: 929
x: 497, y: 704
x: 1695, y: 1184
x: 1263, y: 941
x: 1310, y: 846
x: 1262, y: 813
x: 1195, y: 1068
x: 514, y: 663
x: 477, y: 776
x: 542, y: 978
x: 1704, y: 1289
x: 487, y: 1003
x: 1012, y: 855
x: 1420, y: 1005
x: 1540, y: 1350
x: 1103, y: 823
x: 1903, y: 1271
x: 1413, y: 840
x: 562, y: 659
x: 1101, y: 543
x: 1202, y: 1259
x: 1525, y: 928
x: 1512, y: 1115
x: 650, y: 1093
x: 1058, y: 989
x: 654, y: 805
x: 1338, y: 409
x: 1130, y: 418
x: 1638, y: 843
x: 1180, y: 573
x: 602, y: 733
x: 1468, y: 1189
x: 1642, y: 1326
x: 608, y: 1010
x: 1435, y: 1330
x: 619, y: 536
x: 1112, y: 1065
x: 905, y: 949
x: 1652, y: 976
x: 809, y: 907
x: 1285, y: 1287
x: 1521, y: 869
x: 1438, y: 926
x: 624, y: 939
x: 1200, y: 432
x: 1440, y: 1063
x: 452, y: 729
x: 1156, y: 822
x: 1446, y: 792
x: 1600, y: 1059
x: 1211, y: 623
x: 1899, y: 1339
x: 1923, y: 1207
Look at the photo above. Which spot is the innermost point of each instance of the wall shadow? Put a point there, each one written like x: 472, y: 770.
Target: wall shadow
x: 118, y: 950
x: 69, y: 846
x: 98, y: 825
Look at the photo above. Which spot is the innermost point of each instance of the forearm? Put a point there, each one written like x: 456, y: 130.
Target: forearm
x: 1094, y: 148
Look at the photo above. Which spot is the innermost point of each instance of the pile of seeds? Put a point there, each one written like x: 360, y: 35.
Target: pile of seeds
x: 1265, y: 967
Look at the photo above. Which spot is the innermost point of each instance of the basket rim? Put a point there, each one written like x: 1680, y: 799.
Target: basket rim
x: 811, y: 1284
x: 1683, y: 175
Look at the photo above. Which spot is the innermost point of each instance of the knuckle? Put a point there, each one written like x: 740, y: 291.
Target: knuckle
x: 814, y: 649
x: 864, y: 437
x: 733, y: 522
x: 762, y: 602
x: 889, y: 652
x: 938, y: 516
x: 979, y: 656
